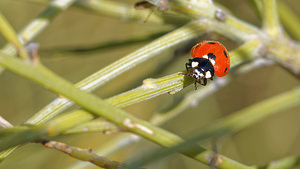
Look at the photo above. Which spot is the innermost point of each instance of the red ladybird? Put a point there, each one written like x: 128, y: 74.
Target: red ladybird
x: 209, y: 58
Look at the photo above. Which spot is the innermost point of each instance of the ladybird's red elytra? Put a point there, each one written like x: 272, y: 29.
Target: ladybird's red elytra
x: 209, y: 58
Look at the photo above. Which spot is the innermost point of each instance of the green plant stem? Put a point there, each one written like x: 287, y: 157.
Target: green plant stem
x: 190, y: 100
x: 55, y: 128
x: 36, y: 26
x: 108, y: 148
x: 83, y: 154
x: 285, y: 51
x: 77, y: 50
x: 97, y: 125
x: 270, y: 18
x: 41, y: 75
x: 285, y: 163
x: 126, y: 12
x: 104, y: 75
x: 118, y: 67
x: 122, y: 11
x: 244, y: 52
x: 230, y: 124
x: 4, y: 123
x: 171, y: 83
x: 289, y: 19
x: 9, y: 33
x: 258, y: 7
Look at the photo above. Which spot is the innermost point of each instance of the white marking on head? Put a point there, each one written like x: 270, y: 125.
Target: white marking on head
x: 195, y: 64
x: 208, y: 75
x: 205, y: 56
x: 197, y: 74
x: 212, y: 62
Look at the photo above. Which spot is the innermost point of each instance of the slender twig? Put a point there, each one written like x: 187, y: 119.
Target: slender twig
x: 83, y: 154
x: 271, y: 22
x: 191, y: 99
x: 9, y: 33
x: 4, y: 123
x: 126, y: 121
x: 289, y: 19
x: 122, y: 11
x: 174, y: 83
x: 36, y: 26
x: 228, y: 125
x: 284, y: 163
x: 118, y: 67
x: 125, y: 11
x: 98, y: 125
x: 285, y: 51
x: 240, y: 32
x: 99, y: 107
x: 77, y: 50
x: 78, y: 153
x: 258, y: 7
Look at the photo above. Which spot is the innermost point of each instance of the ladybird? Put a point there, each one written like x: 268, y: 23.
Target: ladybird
x: 209, y: 58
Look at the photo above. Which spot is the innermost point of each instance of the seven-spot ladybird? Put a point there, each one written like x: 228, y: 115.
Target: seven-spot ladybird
x: 209, y: 58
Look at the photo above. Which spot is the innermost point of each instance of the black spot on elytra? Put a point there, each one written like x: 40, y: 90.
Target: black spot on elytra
x: 225, y: 70
x: 211, y: 56
x: 211, y: 43
x: 225, y: 53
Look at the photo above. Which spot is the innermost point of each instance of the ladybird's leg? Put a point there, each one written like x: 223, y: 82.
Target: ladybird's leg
x: 204, y: 81
x: 212, y: 74
x: 187, y: 70
x: 187, y: 66
x: 195, y: 85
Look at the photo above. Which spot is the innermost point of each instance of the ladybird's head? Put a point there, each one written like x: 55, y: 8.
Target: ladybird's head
x: 202, y: 69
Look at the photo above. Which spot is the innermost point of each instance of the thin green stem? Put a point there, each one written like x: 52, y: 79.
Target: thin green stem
x: 230, y: 124
x: 36, y: 26
x: 43, y: 76
x: 271, y: 22
x: 67, y: 121
x: 289, y: 19
x: 104, y: 75
x: 126, y: 12
x: 283, y: 50
x: 9, y: 33
x: 4, y: 123
x: 118, y: 67
x: 77, y: 50
x: 83, y: 154
x: 97, y: 125
x: 108, y: 148
x: 284, y: 163
x: 99, y: 107
x: 258, y: 7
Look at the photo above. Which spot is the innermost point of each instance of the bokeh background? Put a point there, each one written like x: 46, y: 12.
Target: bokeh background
x: 273, y: 138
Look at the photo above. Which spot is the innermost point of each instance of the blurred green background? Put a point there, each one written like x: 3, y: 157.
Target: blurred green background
x: 270, y: 139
